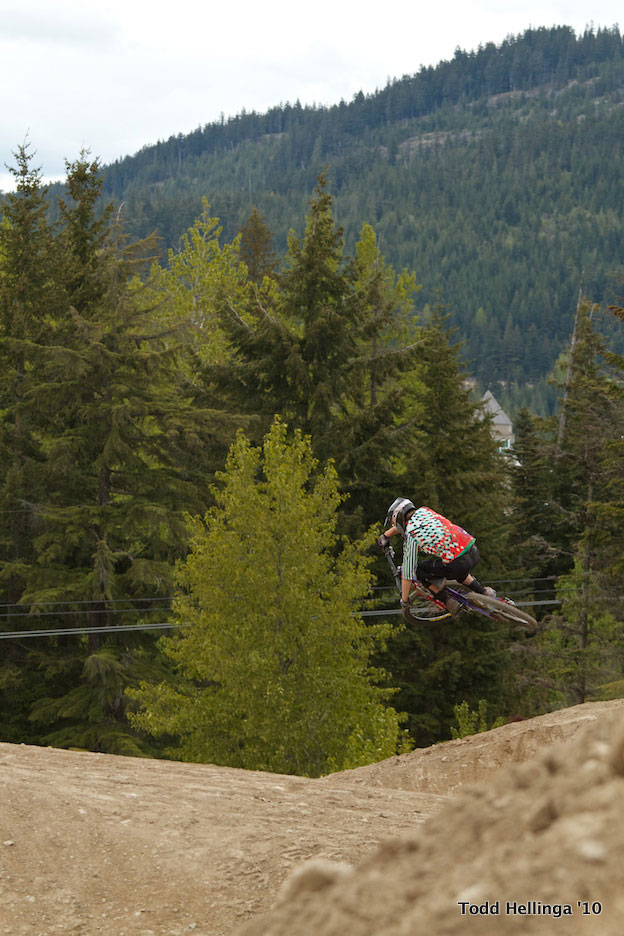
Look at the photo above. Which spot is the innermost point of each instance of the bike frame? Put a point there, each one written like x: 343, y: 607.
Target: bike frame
x: 505, y: 608
x: 455, y: 593
x: 424, y: 592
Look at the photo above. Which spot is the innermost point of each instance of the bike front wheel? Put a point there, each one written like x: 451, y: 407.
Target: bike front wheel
x: 503, y: 610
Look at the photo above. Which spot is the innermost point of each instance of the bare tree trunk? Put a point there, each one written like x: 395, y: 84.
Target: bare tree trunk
x: 566, y: 393
x: 583, y: 622
x: 98, y: 616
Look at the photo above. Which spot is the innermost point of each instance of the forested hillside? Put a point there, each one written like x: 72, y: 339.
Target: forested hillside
x: 495, y: 177
x: 205, y: 439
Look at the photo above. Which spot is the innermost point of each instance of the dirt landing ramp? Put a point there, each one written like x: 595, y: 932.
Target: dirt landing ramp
x: 538, y: 850
x: 114, y: 846
x: 444, y: 768
x: 96, y: 844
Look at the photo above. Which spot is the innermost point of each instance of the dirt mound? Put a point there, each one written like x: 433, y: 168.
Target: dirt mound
x: 541, y: 843
x: 115, y: 846
x: 444, y: 768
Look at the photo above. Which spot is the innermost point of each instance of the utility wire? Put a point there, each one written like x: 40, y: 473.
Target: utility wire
x: 72, y: 601
x: 63, y: 632
x: 41, y: 614
x: 117, y: 628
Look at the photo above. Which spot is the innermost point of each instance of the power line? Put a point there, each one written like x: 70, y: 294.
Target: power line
x: 117, y: 628
x: 67, y: 631
x: 76, y: 601
x: 41, y: 614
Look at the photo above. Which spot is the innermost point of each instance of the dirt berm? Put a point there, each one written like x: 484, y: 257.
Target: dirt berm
x: 526, y: 820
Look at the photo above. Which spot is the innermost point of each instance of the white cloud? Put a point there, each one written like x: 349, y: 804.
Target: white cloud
x: 55, y: 25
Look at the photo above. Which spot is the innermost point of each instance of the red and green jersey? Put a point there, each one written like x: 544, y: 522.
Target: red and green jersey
x: 433, y: 534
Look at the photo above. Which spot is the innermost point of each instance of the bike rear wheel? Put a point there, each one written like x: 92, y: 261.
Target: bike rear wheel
x: 423, y: 609
x: 503, y: 611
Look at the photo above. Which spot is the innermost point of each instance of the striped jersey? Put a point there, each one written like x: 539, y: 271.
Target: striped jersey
x: 434, y: 535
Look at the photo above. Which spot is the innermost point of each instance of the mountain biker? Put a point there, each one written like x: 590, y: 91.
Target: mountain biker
x: 451, y: 552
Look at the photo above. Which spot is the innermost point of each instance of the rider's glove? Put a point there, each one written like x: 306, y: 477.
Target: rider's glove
x: 383, y: 541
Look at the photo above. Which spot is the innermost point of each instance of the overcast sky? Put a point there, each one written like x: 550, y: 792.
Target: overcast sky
x: 116, y: 75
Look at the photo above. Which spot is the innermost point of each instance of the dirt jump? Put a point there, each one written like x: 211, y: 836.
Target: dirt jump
x: 517, y: 830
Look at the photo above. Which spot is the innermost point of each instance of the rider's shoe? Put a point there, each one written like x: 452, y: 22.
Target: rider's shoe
x: 489, y: 591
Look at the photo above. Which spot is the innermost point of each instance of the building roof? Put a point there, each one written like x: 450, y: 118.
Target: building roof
x: 500, y: 417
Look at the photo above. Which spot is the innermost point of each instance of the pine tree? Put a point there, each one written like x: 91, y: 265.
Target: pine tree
x: 585, y: 641
x: 256, y: 248
x: 28, y: 305
x: 449, y: 461
x: 84, y: 232
x: 30, y: 302
x: 320, y: 348
x: 273, y: 661
x: 123, y: 460
x: 541, y: 535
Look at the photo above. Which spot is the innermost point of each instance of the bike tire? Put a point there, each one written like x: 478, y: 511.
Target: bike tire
x: 422, y: 609
x: 503, y: 611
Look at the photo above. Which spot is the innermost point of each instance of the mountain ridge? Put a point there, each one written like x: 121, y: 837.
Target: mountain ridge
x: 495, y: 176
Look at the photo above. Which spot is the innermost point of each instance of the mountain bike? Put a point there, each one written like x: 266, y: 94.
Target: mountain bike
x: 425, y: 606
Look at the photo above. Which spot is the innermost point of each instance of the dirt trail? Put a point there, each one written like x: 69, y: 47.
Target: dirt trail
x: 96, y: 844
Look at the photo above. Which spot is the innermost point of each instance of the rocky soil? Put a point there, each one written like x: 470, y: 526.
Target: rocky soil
x: 531, y: 815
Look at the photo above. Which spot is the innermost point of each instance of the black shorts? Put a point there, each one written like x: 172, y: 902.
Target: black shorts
x: 458, y: 569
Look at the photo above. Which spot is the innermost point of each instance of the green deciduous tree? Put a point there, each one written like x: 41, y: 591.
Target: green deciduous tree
x: 273, y: 659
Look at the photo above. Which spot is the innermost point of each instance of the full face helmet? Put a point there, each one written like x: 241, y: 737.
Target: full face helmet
x: 397, y: 513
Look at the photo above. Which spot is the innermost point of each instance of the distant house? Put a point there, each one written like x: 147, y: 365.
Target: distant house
x: 502, y: 427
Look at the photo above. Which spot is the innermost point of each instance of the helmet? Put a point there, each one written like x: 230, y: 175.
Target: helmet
x: 397, y: 513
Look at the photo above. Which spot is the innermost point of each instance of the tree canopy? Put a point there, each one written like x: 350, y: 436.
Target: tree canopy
x: 273, y: 658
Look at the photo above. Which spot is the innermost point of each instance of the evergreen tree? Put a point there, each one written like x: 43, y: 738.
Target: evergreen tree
x: 541, y: 535
x: 274, y: 673
x: 256, y: 248
x: 194, y: 278
x: 453, y: 463
x: 84, y: 232
x: 583, y: 643
x: 123, y: 460
x: 29, y: 307
x: 317, y: 349
x: 190, y: 286
x: 450, y: 462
